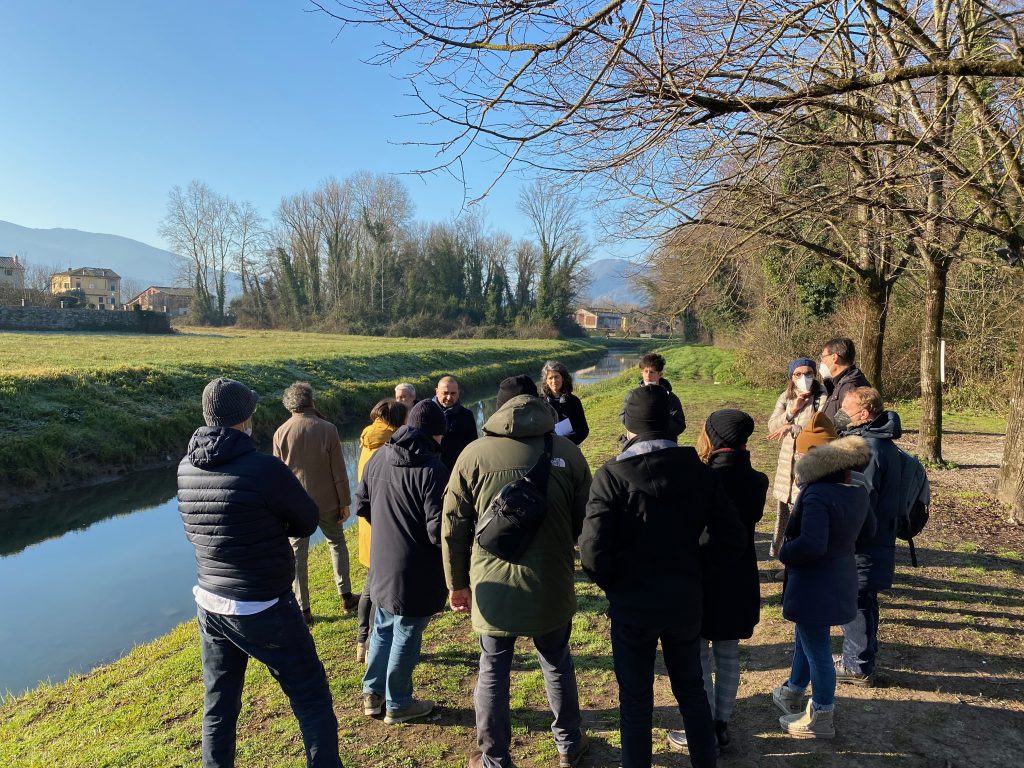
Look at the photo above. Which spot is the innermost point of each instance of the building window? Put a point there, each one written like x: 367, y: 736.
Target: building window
x: 8, y: 272
x: 78, y: 284
x: 113, y: 287
x: 92, y: 286
x: 101, y: 299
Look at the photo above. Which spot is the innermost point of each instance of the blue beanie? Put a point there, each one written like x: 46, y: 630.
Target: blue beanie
x: 800, y: 362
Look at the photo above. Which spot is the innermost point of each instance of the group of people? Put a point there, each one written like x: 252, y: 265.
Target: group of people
x: 666, y: 531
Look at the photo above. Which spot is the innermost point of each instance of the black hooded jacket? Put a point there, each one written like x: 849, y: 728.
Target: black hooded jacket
x: 239, y: 507
x: 640, y: 543
x: 459, y: 431
x: 401, y: 495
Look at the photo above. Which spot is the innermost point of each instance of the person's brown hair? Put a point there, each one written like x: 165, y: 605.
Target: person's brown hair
x: 652, y: 360
x: 390, y: 411
x: 843, y: 348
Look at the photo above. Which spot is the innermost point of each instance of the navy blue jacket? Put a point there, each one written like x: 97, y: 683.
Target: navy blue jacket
x: 818, y: 550
x: 640, y: 543
x: 239, y: 507
x: 459, y: 431
x: 876, y: 554
x: 401, y: 495
x: 732, y: 589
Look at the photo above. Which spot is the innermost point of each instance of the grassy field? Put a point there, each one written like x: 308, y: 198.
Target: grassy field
x: 110, y: 403
x: 950, y: 689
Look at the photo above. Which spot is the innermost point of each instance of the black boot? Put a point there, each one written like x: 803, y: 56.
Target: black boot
x: 722, y: 733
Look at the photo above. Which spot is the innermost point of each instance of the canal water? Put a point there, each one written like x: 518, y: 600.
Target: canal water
x: 88, y: 574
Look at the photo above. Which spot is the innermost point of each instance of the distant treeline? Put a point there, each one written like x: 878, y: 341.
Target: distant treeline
x: 349, y: 256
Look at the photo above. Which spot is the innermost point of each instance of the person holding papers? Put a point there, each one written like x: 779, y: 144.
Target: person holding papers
x: 557, y: 384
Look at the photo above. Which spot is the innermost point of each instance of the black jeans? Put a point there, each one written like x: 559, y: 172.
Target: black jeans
x: 278, y: 637
x: 633, y: 652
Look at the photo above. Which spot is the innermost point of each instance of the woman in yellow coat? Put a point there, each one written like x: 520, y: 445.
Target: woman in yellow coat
x: 386, y: 416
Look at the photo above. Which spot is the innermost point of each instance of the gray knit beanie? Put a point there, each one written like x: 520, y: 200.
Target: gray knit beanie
x: 227, y: 402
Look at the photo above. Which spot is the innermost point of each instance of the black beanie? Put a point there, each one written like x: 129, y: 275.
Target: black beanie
x: 646, y: 410
x: 514, y: 386
x: 428, y: 417
x: 729, y: 428
x: 227, y: 402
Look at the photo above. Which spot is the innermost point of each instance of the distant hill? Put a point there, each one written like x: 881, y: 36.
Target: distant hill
x: 610, y: 285
x: 73, y: 248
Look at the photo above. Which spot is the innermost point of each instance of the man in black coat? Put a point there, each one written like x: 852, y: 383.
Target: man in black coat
x: 239, y: 507
x: 641, y: 545
x: 459, y: 422
x: 401, y: 496
x: 840, y: 374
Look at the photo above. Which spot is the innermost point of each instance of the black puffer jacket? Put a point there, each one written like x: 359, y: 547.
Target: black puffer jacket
x: 239, y: 507
x: 401, y: 495
x: 569, y: 407
x: 640, y: 540
x: 732, y: 590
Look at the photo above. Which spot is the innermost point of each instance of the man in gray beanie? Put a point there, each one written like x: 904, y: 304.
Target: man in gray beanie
x: 239, y: 507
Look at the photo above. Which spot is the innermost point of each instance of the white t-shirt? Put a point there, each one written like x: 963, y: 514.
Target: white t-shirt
x: 225, y: 606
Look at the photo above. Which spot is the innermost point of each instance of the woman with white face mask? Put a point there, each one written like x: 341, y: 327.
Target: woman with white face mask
x: 802, y: 397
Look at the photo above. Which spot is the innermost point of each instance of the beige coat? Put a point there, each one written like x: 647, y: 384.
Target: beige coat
x: 310, y: 446
x: 785, y: 480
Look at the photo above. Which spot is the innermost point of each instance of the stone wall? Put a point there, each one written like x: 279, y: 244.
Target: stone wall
x: 42, y: 319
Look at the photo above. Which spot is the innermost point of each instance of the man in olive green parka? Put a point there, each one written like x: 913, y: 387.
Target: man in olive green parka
x: 533, y: 597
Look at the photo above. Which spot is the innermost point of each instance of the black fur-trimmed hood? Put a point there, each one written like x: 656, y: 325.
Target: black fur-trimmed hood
x: 845, y: 453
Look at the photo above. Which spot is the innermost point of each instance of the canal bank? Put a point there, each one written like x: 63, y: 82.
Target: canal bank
x: 92, y: 573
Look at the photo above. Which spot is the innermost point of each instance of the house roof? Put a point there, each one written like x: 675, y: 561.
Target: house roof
x: 90, y: 272
x: 167, y: 290
x: 8, y: 262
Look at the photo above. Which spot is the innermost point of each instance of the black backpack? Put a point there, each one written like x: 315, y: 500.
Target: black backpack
x: 915, y: 495
x: 517, y: 511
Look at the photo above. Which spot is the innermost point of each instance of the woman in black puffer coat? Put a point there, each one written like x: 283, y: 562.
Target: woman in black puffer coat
x: 557, y: 383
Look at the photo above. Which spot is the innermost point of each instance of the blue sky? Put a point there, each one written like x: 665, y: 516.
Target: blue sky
x: 104, y: 106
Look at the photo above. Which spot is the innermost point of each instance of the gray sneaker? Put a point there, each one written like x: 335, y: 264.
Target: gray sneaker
x: 415, y: 709
x: 788, y: 700
x: 373, y: 704
x: 846, y: 675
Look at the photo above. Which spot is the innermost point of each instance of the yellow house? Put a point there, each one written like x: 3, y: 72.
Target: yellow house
x: 102, y: 287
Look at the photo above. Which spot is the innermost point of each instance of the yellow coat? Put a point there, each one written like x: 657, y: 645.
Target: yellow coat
x: 372, y: 438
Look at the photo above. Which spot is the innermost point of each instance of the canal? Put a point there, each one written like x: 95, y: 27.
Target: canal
x: 90, y: 573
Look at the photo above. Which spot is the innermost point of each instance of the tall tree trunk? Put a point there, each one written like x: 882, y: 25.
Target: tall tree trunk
x: 929, y: 438
x: 1010, y: 488
x: 875, y: 293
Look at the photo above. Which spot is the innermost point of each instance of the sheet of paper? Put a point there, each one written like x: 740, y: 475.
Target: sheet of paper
x: 563, y: 428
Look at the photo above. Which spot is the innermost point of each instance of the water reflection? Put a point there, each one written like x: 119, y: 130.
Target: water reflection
x: 92, y: 572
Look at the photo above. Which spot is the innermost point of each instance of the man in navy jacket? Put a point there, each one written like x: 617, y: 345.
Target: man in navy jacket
x: 239, y: 507
x: 862, y: 414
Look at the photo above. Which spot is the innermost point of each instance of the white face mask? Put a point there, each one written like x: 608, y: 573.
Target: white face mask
x: 803, y: 383
x: 824, y: 370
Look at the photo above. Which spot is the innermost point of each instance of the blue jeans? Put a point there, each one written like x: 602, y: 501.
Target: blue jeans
x: 491, y: 698
x: 277, y: 637
x: 812, y: 663
x: 392, y: 656
x: 860, y: 636
x: 633, y: 652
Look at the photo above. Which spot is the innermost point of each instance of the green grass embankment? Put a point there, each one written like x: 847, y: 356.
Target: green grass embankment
x: 74, y: 406
x: 960, y: 613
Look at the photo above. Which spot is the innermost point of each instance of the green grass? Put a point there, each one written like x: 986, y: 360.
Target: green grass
x: 938, y: 635
x: 105, y: 403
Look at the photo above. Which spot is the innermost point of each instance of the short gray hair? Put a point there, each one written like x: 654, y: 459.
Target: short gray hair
x: 298, y: 395
x: 406, y: 387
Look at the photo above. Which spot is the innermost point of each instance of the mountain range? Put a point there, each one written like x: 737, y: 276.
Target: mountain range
x: 610, y: 285
x: 62, y: 248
